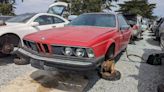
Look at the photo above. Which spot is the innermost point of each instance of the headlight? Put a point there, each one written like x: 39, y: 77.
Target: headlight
x: 90, y: 53
x: 80, y: 52
x: 68, y: 51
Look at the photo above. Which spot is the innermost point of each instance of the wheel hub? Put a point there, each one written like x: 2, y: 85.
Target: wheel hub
x: 7, y: 48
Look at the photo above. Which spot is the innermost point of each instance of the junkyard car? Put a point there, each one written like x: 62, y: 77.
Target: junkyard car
x: 17, y: 27
x: 157, y: 28
x: 82, y: 45
x: 161, y: 35
x: 135, y: 22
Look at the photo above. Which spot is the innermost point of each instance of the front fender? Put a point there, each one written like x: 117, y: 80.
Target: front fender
x: 110, y: 42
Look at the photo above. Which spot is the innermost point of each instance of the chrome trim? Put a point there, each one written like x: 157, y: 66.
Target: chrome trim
x: 52, y: 59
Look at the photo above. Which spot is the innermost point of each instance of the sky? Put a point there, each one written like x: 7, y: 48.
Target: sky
x: 42, y: 6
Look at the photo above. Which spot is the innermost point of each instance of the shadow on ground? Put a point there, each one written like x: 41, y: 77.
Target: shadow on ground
x: 63, y: 81
x: 152, y: 41
x: 7, y: 60
x: 149, y: 76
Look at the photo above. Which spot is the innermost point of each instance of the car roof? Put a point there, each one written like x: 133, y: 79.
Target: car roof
x: 100, y: 13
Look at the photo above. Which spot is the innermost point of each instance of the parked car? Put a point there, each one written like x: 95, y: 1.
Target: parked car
x: 156, y: 29
x: 82, y: 45
x: 135, y: 21
x: 145, y: 24
x: 17, y: 27
x: 161, y: 35
x: 155, y: 25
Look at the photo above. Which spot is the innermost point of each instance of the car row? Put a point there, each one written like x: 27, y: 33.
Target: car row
x: 14, y: 29
x: 84, y: 44
x: 158, y: 29
x: 19, y: 26
x: 138, y: 24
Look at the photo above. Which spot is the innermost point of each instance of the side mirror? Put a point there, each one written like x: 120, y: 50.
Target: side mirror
x: 72, y: 17
x: 124, y: 27
x: 2, y: 23
x: 34, y: 24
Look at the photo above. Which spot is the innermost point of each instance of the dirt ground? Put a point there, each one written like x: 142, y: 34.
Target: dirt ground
x: 135, y: 76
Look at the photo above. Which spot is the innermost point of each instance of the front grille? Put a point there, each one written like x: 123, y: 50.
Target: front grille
x: 45, y: 46
x: 31, y: 45
x: 39, y: 47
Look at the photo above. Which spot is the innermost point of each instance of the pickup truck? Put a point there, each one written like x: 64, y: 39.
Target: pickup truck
x: 84, y: 44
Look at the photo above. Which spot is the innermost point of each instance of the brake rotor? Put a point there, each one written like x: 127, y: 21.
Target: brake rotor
x: 108, y: 71
x: 7, y: 48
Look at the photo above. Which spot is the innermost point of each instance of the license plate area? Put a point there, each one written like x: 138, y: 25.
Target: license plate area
x: 37, y: 64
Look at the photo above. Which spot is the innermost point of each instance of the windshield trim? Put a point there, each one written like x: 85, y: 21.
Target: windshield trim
x: 115, y: 24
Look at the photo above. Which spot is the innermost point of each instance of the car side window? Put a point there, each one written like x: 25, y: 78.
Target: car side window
x: 44, y: 20
x: 122, y: 22
x: 58, y: 20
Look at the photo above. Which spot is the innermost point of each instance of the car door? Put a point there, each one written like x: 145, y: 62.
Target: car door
x: 49, y: 22
x: 58, y: 22
x: 124, y: 28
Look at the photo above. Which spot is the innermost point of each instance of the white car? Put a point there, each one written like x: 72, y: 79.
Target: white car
x: 17, y: 27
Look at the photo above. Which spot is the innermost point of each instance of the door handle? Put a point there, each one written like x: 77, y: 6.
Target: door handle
x: 54, y: 26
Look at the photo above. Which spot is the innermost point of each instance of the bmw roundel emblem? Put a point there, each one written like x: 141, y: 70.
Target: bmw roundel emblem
x: 43, y: 38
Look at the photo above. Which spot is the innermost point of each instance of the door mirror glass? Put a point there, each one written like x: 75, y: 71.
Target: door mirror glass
x: 34, y: 24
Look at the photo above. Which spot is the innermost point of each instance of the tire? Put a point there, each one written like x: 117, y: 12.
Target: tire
x: 131, y: 40
x: 110, y: 53
x: 21, y: 60
x: 110, y: 77
x: 7, y: 44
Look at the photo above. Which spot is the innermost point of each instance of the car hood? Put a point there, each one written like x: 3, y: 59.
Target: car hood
x: 69, y: 34
x: 11, y: 26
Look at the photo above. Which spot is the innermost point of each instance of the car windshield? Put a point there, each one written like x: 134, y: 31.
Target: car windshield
x: 21, y: 18
x: 132, y: 19
x: 100, y: 20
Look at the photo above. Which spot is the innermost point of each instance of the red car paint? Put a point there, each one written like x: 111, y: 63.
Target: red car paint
x: 135, y: 27
x: 97, y: 38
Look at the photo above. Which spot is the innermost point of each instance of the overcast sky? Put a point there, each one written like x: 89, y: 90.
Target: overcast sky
x: 42, y: 6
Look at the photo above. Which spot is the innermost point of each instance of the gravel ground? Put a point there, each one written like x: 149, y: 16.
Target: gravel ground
x: 9, y: 71
x: 136, y: 76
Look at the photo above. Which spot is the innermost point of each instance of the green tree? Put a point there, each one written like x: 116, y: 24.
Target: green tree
x: 85, y: 6
x: 7, y: 7
x: 141, y: 7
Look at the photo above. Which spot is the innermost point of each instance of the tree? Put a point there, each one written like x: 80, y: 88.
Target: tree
x: 85, y: 6
x: 7, y: 7
x: 141, y: 7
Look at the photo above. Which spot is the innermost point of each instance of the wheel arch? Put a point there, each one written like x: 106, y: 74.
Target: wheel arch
x: 15, y: 37
x: 109, y: 45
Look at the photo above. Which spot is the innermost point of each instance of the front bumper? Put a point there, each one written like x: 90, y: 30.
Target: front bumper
x: 59, y: 62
